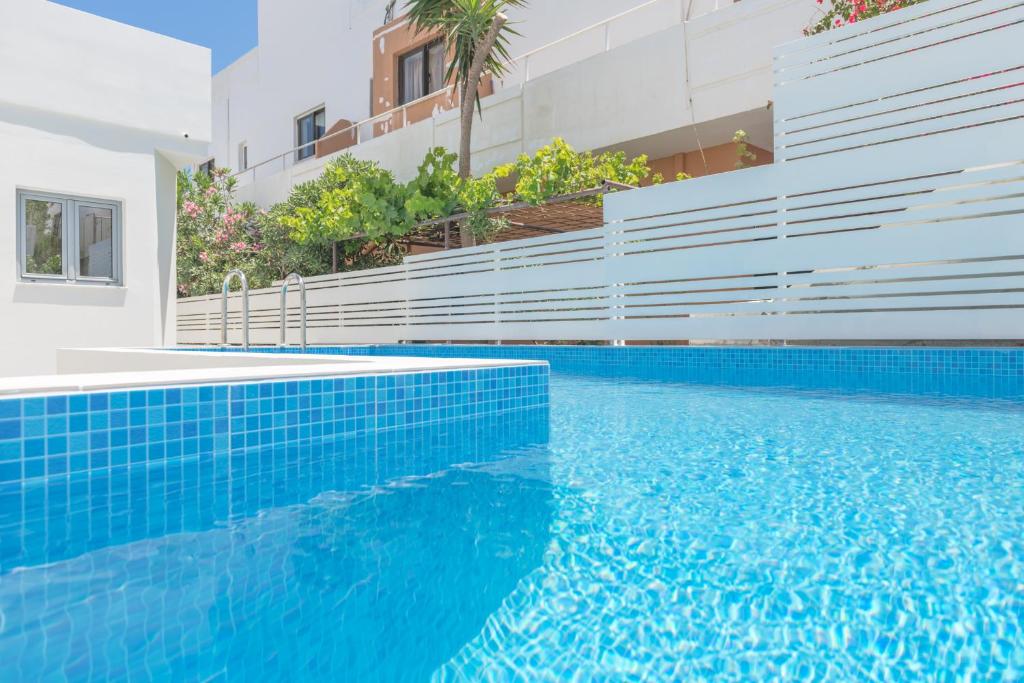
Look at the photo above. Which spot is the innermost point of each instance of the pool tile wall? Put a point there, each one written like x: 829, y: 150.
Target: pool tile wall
x: 53, y: 518
x: 986, y: 372
x: 61, y: 435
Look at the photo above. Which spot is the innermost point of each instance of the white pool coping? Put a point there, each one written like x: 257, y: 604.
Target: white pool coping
x: 219, y: 368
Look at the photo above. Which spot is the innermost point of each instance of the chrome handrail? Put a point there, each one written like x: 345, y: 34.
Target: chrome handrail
x: 284, y: 309
x: 224, y: 307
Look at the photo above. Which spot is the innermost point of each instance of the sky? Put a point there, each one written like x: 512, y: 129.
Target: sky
x: 228, y: 27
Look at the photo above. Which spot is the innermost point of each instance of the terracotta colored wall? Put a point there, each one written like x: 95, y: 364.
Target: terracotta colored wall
x: 390, y: 42
x: 335, y: 143
x: 720, y: 158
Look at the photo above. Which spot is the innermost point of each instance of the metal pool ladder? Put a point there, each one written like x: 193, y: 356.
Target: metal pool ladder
x: 284, y: 309
x: 224, y: 308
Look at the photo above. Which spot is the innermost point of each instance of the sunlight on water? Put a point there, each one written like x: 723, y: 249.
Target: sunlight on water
x: 660, y: 531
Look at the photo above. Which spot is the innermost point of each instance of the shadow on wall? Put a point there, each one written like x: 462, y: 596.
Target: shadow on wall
x: 57, y: 294
x: 96, y: 133
x: 166, y: 215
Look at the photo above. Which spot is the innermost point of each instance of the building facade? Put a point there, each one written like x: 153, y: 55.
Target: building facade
x: 95, y: 119
x: 673, y: 79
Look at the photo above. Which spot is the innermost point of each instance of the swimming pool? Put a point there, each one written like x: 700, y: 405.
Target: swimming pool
x: 659, y: 529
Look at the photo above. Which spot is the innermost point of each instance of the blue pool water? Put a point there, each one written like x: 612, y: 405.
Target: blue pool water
x: 655, y: 530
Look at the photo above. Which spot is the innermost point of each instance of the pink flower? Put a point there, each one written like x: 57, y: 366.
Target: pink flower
x: 191, y: 208
x: 204, y: 257
x: 232, y: 218
x: 222, y: 236
x: 210, y: 192
x: 238, y: 247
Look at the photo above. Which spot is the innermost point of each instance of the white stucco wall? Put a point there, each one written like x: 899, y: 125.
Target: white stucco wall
x: 320, y: 52
x: 94, y: 108
x: 636, y: 96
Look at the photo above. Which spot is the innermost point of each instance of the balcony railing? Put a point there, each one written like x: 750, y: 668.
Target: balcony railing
x: 598, y: 38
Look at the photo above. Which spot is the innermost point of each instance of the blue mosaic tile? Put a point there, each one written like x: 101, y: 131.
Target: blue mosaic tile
x: 62, y: 435
x: 987, y: 372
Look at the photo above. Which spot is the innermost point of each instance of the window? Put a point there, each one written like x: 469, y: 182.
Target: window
x: 308, y: 129
x: 208, y: 167
x: 243, y: 156
x: 68, y: 239
x: 421, y: 72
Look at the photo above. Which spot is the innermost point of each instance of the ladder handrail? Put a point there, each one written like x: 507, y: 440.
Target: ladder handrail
x: 284, y: 309
x: 224, y: 307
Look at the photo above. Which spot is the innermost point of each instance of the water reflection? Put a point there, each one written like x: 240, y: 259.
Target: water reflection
x: 365, y: 559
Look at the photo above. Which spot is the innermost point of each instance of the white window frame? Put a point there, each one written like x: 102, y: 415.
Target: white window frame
x: 69, y: 239
x: 298, y: 144
x: 243, y: 156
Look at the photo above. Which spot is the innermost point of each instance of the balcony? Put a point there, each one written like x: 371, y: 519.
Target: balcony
x: 664, y: 78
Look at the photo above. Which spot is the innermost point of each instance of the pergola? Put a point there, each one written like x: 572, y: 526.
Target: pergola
x: 565, y: 213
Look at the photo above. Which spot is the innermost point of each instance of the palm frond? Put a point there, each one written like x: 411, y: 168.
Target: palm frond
x: 462, y: 23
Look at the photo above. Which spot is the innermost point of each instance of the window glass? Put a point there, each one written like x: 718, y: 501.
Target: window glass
x: 95, y: 241
x: 412, y: 77
x: 435, y: 77
x: 243, y: 157
x: 44, y: 237
x: 421, y: 72
x: 309, y: 129
x: 68, y: 239
x: 319, y: 124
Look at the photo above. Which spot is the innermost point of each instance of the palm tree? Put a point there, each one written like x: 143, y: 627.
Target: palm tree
x: 476, y: 34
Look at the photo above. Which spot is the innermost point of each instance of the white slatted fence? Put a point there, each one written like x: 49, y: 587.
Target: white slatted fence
x: 895, y: 210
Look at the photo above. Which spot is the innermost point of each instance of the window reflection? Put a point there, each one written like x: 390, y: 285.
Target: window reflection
x: 95, y: 242
x: 44, y: 237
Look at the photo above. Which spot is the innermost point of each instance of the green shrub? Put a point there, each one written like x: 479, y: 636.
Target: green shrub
x: 358, y: 210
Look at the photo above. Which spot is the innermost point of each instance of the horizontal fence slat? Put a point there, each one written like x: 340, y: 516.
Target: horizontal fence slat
x: 894, y: 210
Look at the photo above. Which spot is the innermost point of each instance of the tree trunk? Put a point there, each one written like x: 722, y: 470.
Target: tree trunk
x: 469, y: 93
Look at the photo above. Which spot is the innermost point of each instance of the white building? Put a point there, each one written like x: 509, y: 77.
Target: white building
x: 670, y: 78
x: 95, y: 119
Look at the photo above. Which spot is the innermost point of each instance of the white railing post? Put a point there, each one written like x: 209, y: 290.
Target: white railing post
x: 496, y: 256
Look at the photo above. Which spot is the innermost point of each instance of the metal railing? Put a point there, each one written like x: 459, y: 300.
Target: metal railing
x: 366, y: 129
x: 284, y: 309
x: 224, y: 307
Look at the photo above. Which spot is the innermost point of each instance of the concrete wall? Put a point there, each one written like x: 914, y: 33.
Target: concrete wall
x: 94, y: 108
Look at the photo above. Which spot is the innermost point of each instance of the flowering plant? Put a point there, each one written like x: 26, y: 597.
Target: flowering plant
x: 214, y: 235
x: 356, y: 213
x: 843, y: 12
